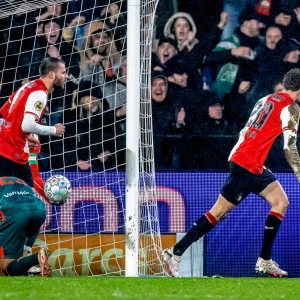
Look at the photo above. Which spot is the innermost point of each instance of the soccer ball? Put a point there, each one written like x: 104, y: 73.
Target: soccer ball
x: 57, y: 189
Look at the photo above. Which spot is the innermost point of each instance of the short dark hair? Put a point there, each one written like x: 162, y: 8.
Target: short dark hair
x: 169, y: 40
x: 291, y: 80
x: 49, y: 64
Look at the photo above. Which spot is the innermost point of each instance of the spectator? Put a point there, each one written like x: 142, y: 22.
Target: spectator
x: 290, y: 60
x: 167, y: 60
x: 236, y: 56
x: 74, y: 32
x: 50, y: 12
x: 115, y: 91
x: 193, y: 61
x: 51, y: 44
x: 99, y: 58
x: 211, y: 119
x: 288, y: 21
x: 164, y: 10
x: 167, y: 48
x: 234, y: 8
x: 205, y: 13
x: 268, y: 57
x: 163, y: 116
x: 89, y: 130
x: 17, y: 35
x: 205, y: 144
x: 115, y: 94
x: 116, y: 20
x: 181, y: 27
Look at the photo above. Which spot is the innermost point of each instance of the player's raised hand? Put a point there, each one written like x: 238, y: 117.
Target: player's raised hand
x: 60, y: 129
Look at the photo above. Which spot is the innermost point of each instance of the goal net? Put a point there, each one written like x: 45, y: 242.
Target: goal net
x: 87, y: 234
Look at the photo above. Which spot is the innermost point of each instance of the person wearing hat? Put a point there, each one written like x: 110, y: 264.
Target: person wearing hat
x: 182, y: 68
x: 204, y: 127
x: 181, y: 27
x: 164, y: 118
x: 166, y: 60
x: 205, y: 116
x: 167, y: 48
x: 90, y: 126
x: 99, y: 58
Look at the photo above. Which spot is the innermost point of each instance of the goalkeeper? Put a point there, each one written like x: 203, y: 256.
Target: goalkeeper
x: 21, y: 216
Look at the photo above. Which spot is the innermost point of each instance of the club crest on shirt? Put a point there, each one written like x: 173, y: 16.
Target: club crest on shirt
x: 38, y: 105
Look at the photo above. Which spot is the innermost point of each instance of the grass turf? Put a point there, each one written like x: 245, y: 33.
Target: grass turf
x: 148, y: 288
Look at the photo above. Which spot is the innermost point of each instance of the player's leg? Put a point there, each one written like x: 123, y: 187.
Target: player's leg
x: 36, y: 220
x: 201, y: 227
x: 274, y: 194
x: 13, y: 234
x: 234, y: 190
x: 37, y: 179
x: 12, y: 239
x: 24, y: 172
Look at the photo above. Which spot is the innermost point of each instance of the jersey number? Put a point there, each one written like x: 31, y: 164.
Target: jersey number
x: 263, y: 115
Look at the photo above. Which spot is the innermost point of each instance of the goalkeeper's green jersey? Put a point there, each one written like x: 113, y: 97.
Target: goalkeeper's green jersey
x: 15, y: 194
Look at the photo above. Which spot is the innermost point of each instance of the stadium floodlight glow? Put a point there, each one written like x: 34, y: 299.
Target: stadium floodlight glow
x: 110, y: 222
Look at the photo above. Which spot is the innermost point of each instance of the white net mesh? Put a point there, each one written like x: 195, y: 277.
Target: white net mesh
x: 86, y: 234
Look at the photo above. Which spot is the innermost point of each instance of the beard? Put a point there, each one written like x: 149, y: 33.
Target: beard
x: 58, y: 83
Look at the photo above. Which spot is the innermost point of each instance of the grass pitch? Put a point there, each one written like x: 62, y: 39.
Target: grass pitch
x: 84, y: 288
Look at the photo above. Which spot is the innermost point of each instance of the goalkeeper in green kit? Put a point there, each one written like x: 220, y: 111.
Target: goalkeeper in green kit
x: 22, y: 214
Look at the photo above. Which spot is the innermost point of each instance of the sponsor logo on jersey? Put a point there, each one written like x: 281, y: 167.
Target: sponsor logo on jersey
x: 239, y: 197
x: 16, y: 193
x: 38, y: 105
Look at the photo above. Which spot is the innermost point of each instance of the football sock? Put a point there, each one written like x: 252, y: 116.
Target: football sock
x: 272, y: 225
x: 202, y: 226
x: 38, y: 181
x: 21, y: 266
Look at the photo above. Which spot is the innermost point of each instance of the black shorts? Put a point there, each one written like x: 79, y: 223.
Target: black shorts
x: 240, y: 183
x: 10, y: 168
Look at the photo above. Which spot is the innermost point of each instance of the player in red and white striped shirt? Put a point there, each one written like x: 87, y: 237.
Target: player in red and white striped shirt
x: 21, y: 115
x: 272, y: 115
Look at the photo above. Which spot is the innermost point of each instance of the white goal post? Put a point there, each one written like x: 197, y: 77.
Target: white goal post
x: 110, y: 224
x: 132, y: 138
